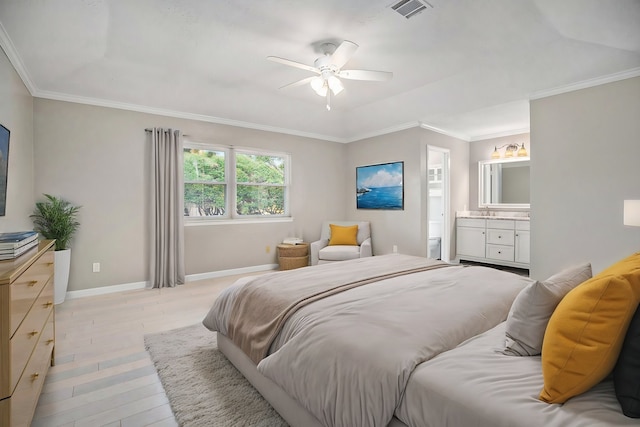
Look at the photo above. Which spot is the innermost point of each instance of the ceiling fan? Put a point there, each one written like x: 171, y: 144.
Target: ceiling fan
x: 329, y: 70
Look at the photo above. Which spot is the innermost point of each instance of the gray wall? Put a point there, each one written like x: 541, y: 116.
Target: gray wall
x: 482, y: 150
x: 16, y: 114
x: 98, y: 158
x: 587, y: 153
x: 408, y: 228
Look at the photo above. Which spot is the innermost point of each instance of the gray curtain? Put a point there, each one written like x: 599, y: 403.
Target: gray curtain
x: 167, y: 205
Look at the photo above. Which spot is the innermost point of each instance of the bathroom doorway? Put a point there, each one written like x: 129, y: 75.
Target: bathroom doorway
x: 438, y: 203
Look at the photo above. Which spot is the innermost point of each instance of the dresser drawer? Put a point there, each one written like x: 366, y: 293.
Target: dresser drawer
x: 25, y: 397
x: 5, y: 411
x: 28, y: 286
x: 24, y: 340
x: 500, y: 237
x: 500, y: 252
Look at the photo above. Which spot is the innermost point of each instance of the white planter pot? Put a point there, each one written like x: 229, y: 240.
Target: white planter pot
x: 61, y: 274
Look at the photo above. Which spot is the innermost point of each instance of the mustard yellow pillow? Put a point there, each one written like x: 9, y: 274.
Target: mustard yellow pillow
x: 586, y: 331
x: 343, y: 235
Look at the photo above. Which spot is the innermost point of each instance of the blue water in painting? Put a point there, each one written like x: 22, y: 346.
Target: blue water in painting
x: 381, y: 198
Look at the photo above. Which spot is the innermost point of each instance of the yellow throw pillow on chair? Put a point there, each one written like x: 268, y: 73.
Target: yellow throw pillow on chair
x: 586, y: 331
x: 343, y: 235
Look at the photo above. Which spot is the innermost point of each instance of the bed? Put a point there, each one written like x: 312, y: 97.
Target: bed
x: 396, y: 312
x: 397, y: 340
x: 499, y: 391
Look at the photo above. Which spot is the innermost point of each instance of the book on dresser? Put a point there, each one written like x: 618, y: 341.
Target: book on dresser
x: 15, y: 244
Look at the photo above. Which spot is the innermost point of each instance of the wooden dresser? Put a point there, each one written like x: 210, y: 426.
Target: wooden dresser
x: 27, y: 335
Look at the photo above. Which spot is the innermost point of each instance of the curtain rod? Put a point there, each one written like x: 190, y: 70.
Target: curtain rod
x: 150, y: 130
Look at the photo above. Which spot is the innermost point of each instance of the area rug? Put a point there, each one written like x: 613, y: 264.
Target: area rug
x: 203, y: 387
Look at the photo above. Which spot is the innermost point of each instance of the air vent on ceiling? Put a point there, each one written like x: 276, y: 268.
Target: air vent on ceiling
x: 410, y: 8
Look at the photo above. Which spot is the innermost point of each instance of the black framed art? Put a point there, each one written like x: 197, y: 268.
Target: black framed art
x: 380, y: 186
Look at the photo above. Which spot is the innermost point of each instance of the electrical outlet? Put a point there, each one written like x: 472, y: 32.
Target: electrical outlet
x: 96, y: 267
x: 395, y: 249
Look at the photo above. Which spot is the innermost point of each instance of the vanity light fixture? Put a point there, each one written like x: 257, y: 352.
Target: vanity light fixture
x: 511, y: 151
x: 632, y: 213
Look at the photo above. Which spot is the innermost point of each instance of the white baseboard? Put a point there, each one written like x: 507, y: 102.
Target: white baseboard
x: 189, y: 278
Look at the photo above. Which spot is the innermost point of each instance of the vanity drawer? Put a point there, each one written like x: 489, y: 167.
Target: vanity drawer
x: 27, y: 287
x: 502, y: 224
x: 472, y: 222
x: 500, y: 252
x: 30, y: 331
x: 500, y: 237
x: 523, y: 225
x: 25, y: 397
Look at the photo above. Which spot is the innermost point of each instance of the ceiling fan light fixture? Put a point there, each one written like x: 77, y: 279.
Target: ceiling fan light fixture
x: 335, y: 85
x: 319, y: 85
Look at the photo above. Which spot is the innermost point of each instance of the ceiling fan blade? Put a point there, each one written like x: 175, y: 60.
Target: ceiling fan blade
x: 378, y: 76
x: 343, y: 53
x: 293, y: 64
x: 299, y: 82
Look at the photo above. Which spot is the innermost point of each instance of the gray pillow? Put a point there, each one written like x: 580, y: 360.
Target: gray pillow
x: 533, y: 307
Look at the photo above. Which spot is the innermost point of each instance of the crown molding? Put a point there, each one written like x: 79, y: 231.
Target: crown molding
x: 178, y: 114
x: 597, y: 81
x: 500, y: 134
x: 461, y: 136
x: 10, y: 50
x: 381, y: 132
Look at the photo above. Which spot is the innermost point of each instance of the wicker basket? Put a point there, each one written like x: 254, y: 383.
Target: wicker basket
x: 289, y: 263
x: 293, y: 250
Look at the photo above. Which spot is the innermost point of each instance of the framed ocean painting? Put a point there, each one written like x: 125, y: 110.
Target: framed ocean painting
x: 380, y: 186
x: 4, y: 166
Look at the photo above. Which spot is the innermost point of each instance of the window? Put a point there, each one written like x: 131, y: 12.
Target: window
x: 230, y: 183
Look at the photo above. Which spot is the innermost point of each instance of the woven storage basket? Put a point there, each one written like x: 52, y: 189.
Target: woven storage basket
x: 293, y: 250
x: 290, y: 263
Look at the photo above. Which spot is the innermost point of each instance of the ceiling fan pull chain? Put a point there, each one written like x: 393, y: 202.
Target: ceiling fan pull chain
x: 328, y: 100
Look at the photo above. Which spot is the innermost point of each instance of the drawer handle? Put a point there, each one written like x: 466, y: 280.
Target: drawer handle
x: 48, y: 304
x: 32, y: 283
x: 499, y: 252
x: 34, y: 376
x: 33, y: 333
x: 50, y: 341
x: 499, y: 237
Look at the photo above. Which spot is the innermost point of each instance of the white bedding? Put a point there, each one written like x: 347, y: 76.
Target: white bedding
x: 348, y: 357
x: 475, y: 386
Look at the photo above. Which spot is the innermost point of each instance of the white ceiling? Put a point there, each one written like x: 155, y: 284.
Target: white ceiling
x: 464, y: 67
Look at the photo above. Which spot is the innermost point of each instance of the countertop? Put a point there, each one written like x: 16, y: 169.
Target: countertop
x: 515, y: 216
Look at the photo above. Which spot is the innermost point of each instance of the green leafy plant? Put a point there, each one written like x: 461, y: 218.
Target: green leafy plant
x: 55, y: 218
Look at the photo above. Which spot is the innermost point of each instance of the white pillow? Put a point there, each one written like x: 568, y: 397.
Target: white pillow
x: 533, y: 307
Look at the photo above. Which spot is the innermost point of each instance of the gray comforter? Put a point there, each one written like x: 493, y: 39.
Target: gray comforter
x: 347, y: 358
x: 475, y: 385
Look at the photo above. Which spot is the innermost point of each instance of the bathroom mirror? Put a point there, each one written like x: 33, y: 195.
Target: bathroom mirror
x: 504, y: 183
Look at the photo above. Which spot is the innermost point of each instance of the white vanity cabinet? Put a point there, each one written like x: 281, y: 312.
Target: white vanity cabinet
x: 470, y: 237
x: 522, y: 242
x: 493, y: 241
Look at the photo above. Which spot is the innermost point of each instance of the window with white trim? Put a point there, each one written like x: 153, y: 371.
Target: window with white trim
x: 234, y: 183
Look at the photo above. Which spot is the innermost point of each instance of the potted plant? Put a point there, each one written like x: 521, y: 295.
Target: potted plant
x: 55, y: 218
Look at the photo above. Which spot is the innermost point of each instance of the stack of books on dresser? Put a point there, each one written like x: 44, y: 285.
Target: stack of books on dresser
x: 16, y: 243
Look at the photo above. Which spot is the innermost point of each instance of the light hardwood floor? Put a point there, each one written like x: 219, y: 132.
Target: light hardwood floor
x: 103, y: 375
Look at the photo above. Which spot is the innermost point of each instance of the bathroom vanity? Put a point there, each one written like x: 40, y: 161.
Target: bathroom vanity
x: 500, y: 240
